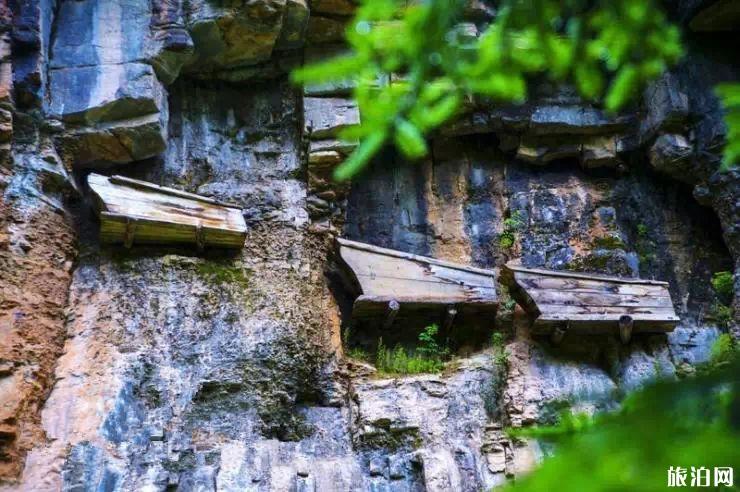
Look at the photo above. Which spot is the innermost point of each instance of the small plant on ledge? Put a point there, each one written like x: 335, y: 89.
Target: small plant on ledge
x: 721, y: 311
x: 357, y: 353
x: 512, y: 225
x: 500, y: 355
x: 722, y: 283
x: 428, y: 357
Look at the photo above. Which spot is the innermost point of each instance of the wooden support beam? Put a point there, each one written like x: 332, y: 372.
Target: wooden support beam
x: 449, y: 318
x: 128, y: 234
x: 391, y: 312
x: 200, y: 236
x: 558, y: 333
x: 626, y: 323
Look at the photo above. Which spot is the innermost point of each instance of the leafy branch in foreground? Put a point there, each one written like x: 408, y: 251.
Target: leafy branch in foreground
x: 729, y: 95
x: 694, y: 422
x: 413, y: 67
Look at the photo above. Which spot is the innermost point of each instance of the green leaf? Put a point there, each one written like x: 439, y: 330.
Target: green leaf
x: 428, y: 117
x: 621, y: 88
x: 361, y: 156
x: 589, y: 80
x: 410, y: 140
x: 729, y: 94
x: 341, y: 67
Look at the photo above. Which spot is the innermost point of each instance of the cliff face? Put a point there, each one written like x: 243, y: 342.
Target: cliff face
x: 159, y: 368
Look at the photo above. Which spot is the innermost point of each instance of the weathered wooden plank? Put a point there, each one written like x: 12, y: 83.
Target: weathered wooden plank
x: 113, y: 227
x: 381, y: 285
x: 550, y: 311
x: 584, y: 301
x: 420, y: 286
x: 609, y: 327
x: 154, y: 204
x: 135, y: 183
x: 367, y: 307
x: 532, y: 281
x: 585, y: 276
x: 133, y: 211
x: 409, y: 256
x: 382, y: 272
x: 558, y: 297
x: 421, y: 301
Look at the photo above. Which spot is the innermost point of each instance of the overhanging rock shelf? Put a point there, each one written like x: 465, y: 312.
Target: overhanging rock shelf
x: 133, y: 211
x: 559, y: 302
x: 392, y: 285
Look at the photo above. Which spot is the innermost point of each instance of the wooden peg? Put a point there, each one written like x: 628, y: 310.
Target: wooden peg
x: 200, y: 237
x: 449, y: 318
x: 558, y: 333
x: 626, y: 323
x: 128, y: 234
x: 391, y: 312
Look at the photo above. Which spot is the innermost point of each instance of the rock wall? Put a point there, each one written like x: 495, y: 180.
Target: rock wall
x: 160, y: 368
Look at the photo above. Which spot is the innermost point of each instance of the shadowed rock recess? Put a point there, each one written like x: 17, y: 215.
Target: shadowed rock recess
x: 164, y: 368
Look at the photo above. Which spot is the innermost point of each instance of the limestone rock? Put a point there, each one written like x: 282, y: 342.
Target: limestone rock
x: 31, y: 30
x: 228, y: 36
x: 725, y: 188
x: 324, y: 30
x: 116, y: 142
x: 667, y: 106
x: 572, y: 120
x: 333, y: 7
x: 671, y: 154
x: 171, y: 46
x: 325, y: 117
x: 600, y: 152
x: 543, y: 150
x: 295, y: 21
x: 89, y: 95
x: 37, y: 254
x: 114, y: 104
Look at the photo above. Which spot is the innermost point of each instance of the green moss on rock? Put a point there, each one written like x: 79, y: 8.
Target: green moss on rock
x: 219, y: 273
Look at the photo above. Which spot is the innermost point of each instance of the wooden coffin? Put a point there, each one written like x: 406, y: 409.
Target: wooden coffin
x: 133, y: 211
x: 591, y: 303
x: 390, y: 281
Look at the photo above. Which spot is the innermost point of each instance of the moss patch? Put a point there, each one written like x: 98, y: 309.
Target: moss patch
x: 609, y: 242
x: 219, y: 273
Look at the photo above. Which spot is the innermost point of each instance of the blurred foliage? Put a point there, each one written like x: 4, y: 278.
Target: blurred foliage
x: 694, y: 422
x: 723, y: 351
x: 729, y: 95
x: 722, y: 283
x: 413, y: 67
x: 721, y: 314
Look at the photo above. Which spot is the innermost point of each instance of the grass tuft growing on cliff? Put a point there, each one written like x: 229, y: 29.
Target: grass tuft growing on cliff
x: 427, y: 357
x: 721, y: 311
